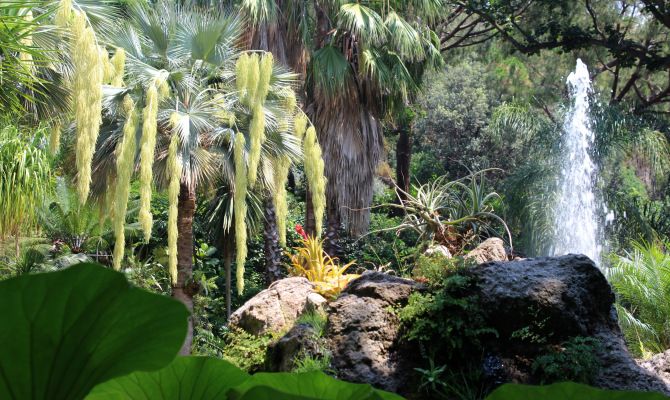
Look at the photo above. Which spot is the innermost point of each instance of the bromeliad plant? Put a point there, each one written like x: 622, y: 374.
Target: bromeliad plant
x: 318, y: 267
x: 452, y: 213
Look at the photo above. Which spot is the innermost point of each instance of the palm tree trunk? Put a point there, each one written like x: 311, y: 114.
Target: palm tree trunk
x: 228, y: 251
x: 403, y: 158
x: 310, y: 221
x: 271, y: 245
x: 184, y: 290
x: 331, y: 246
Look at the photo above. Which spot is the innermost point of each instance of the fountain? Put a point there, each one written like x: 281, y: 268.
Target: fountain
x: 576, y: 212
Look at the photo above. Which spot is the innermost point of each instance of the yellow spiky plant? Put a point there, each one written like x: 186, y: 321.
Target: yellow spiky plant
x: 314, y: 171
x: 87, y: 94
x: 125, y: 163
x: 147, y: 150
x: 242, y: 76
x: 240, y: 209
x: 174, y: 170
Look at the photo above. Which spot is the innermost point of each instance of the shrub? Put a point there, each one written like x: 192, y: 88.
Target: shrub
x: 641, y: 281
x: 245, y: 350
x: 306, y: 362
x: 575, y: 360
x: 447, y: 319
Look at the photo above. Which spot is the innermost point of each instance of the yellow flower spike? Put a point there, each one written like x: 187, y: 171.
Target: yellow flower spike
x: 281, y: 169
x: 174, y: 170
x: 64, y: 13
x: 147, y: 149
x: 240, y: 210
x: 314, y: 171
x: 118, y: 62
x: 87, y: 95
x: 125, y: 165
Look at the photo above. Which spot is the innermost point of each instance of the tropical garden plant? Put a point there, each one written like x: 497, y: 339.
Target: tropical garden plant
x: 25, y: 179
x: 312, y: 262
x: 453, y: 213
x: 641, y: 281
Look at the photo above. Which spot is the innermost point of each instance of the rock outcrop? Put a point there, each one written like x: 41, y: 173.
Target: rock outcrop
x: 301, y: 340
x: 363, y: 333
x: 659, y: 365
x: 557, y: 298
x: 276, y: 308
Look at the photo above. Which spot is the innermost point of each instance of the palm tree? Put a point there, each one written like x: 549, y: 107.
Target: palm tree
x: 355, y: 57
x: 180, y: 77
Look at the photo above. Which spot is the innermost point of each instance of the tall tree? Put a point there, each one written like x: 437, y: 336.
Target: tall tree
x: 354, y: 56
x: 176, y: 115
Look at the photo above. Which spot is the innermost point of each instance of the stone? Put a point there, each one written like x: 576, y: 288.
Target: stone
x: 658, y: 365
x: 363, y: 333
x: 562, y: 297
x: 491, y: 249
x: 316, y: 303
x: 438, y: 249
x: 274, y: 309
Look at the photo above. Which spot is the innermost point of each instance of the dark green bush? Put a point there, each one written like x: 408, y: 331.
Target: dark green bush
x: 575, y: 360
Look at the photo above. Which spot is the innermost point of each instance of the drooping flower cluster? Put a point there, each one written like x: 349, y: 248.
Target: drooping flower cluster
x: 253, y: 83
x: 174, y: 170
x: 88, y: 64
x: 125, y: 163
x: 147, y: 150
x: 240, y: 209
x: 314, y: 171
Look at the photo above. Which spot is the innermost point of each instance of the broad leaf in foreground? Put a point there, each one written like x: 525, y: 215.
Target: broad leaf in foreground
x: 305, y: 386
x: 186, y: 378
x: 65, y: 332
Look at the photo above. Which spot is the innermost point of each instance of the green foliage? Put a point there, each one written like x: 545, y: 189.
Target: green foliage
x: 641, y: 281
x: 316, y: 319
x: 454, y: 213
x: 79, y: 327
x: 567, y: 390
x: 66, y: 221
x: 30, y: 261
x: 574, y: 360
x: 435, y: 267
x: 447, y: 319
x: 440, y: 383
x: 309, y: 363
x: 244, y: 350
x: 25, y: 177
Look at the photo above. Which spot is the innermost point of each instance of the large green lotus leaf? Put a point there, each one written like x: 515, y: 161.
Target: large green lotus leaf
x: 186, y: 378
x: 64, y: 332
x: 566, y: 391
x: 305, y: 386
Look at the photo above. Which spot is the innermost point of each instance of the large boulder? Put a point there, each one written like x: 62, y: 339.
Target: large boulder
x: 559, y: 298
x: 363, y: 333
x: 276, y: 308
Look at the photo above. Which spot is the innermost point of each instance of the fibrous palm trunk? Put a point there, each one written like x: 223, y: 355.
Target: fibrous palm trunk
x: 271, y: 246
x: 184, y: 290
x: 403, y: 160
